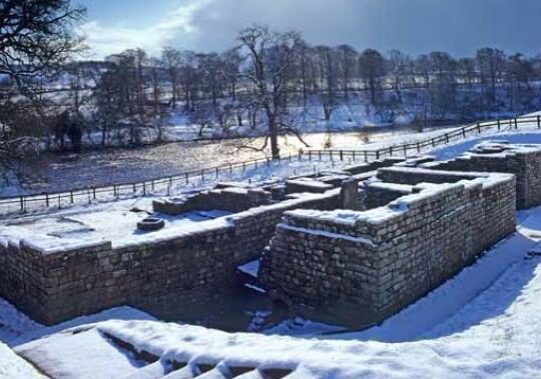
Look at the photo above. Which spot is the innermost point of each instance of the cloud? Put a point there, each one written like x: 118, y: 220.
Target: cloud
x: 413, y: 26
x: 178, y: 24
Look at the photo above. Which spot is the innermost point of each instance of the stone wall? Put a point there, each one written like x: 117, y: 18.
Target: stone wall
x: 378, y: 194
x: 231, y: 199
x: 361, y: 267
x: 521, y: 160
x: 56, y: 284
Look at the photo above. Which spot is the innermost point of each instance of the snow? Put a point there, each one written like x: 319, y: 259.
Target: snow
x: 456, y: 149
x: 406, y: 188
x: 251, y: 268
x: 483, y: 322
x: 14, y: 367
x: 16, y: 329
x: 323, y: 233
x: 116, y: 223
x: 51, y: 354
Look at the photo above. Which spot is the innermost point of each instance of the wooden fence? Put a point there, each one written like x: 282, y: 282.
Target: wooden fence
x: 164, y: 185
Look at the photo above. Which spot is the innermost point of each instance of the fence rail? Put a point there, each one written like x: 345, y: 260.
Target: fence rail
x: 22, y: 204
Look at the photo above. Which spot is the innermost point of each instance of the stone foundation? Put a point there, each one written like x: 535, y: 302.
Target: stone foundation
x: 58, y: 283
x: 425, y: 222
x: 524, y: 161
x: 361, y: 267
x: 231, y: 199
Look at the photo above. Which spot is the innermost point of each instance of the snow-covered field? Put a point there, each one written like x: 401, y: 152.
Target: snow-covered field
x: 485, y: 322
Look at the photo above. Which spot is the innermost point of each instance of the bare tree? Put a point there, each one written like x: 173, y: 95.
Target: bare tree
x: 213, y: 76
x: 398, y: 65
x: 190, y: 78
x: 269, y: 58
x: 348, y: 59
x: 36, y: 35
x: 329, y: 79
x: 519, y: 75
x: 172, y: 61
x: 35, y: 38
x: 490, y: 64
x: 372, y: 71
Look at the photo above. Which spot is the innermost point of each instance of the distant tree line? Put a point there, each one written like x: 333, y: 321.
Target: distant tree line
x: 267, y: 73
x: 267, y: 80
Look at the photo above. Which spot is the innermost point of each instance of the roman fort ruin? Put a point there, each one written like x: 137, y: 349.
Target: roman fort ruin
x: 351, y: 247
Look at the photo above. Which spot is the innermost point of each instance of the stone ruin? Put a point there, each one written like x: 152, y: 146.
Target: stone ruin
x: 350, y: 247
x: 359, y: 267
x: 500, y: 156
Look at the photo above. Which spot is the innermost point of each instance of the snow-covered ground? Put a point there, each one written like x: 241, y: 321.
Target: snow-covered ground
x: 13, y: 366
x: 485, y: 322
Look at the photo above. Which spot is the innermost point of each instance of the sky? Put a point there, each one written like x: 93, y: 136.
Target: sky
x: 413, y: 26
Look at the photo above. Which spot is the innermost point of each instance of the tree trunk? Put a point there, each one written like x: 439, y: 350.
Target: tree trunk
x: 273, y: 134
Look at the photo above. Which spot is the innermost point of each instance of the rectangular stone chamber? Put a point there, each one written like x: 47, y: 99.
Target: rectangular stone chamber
x: 359, y: 267
x: 524, y: 161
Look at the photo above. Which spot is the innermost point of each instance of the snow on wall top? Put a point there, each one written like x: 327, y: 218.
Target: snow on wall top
x: 117, y: 227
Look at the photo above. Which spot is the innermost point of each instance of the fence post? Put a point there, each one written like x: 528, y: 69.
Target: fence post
x: 94, y: 192
x: 366, y: 156
x: 499, y: 125
x: 22, y: 204
x: 203, y: 174
x: 341, y: 155
x: 353, y: 154
x: 538, y: 122
x: 71, y: 196
x: 144, y: 188
x: 47, y: 200
x: 309, y: 155
x: 478, y: 128
x: 446, y: 138
x: 134, y: 188
x: 377, y: 154
x: 217, y: 172
x: 114, y: 190
x: 516, y: 123
x: 463, y: 132
x: 433, y: 142
x: 405, y: 150
x: 391, y: 151
x: 187, y: 178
